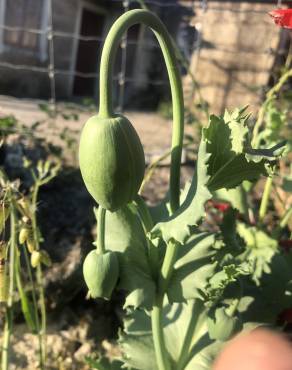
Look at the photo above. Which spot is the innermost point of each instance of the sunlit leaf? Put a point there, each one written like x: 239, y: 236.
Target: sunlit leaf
x: 124, y: 234
x: 137, y: 343
x: 178, y: 226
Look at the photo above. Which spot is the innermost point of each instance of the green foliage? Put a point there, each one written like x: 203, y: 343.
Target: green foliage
x: 178, y: 226
x: 232, y: 159
x: 137, y: 343
x: 193, y: 268
x: 188, y: 290
x: 7, y: 125
x: 260, y: 249
x: 275, y: 120
x: 221, y: 325
x: 214, y: 275
x: 125, y: 235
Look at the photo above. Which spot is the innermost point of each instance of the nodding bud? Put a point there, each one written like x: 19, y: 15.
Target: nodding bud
x: 101, y: 273
x: 111, y: 160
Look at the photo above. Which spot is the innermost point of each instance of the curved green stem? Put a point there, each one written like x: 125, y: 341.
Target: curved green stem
x: 106, y: 111
x: 194, y: 325
x: 106, y: 71
x: 100, y: 245
x: 168, y: 266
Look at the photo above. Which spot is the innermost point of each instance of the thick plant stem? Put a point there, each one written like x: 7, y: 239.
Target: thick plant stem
x: 9, y: 308
x: 163, y: 362
x: 167, y: 266
x: 265, y: 198
x: 191, y: 329
x: 158, y: 337
x: 40, y: 285
x: 156, y: 313
x: 100, y: 243
x: 106, y: 71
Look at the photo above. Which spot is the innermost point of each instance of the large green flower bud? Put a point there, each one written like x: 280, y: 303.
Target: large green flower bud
x: 112, y: 161
x: 101, y: 273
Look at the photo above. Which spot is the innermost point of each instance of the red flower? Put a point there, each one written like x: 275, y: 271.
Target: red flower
x: 282, y: 17
x: 221, y: 206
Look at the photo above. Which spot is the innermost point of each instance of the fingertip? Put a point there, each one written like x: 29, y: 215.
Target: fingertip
x: 257, y: 350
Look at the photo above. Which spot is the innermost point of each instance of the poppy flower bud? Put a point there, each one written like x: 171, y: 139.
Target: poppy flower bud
x: 111, y: 159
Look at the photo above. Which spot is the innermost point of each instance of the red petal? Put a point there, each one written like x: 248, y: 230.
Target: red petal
x: 221, y: 206
x: 282, y: 17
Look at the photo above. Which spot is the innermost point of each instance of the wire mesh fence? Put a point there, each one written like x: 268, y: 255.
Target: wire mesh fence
x: 197, y: 19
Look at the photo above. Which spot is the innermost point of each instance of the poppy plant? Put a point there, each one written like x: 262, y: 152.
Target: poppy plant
x: 282, y: 17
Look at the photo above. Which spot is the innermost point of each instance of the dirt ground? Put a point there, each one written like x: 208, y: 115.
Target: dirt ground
x: 154, y: 130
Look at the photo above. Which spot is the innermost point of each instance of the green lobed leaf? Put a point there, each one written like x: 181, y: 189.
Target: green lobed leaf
x: 137, y: 343
x: 193, y: 268
x: 260, y: 249
x: 178, y: 226
x: 232, y: 160
x: 275, y: 121
x: 124, y: 234
x: 224, y: 278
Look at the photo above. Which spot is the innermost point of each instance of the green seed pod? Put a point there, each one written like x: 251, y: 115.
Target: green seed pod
x: 101, y: 273
x: 35, y: 258
x: 23, y: 234
x: 30, y: 243
x: 221, y: 326
x: 112, y: 161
